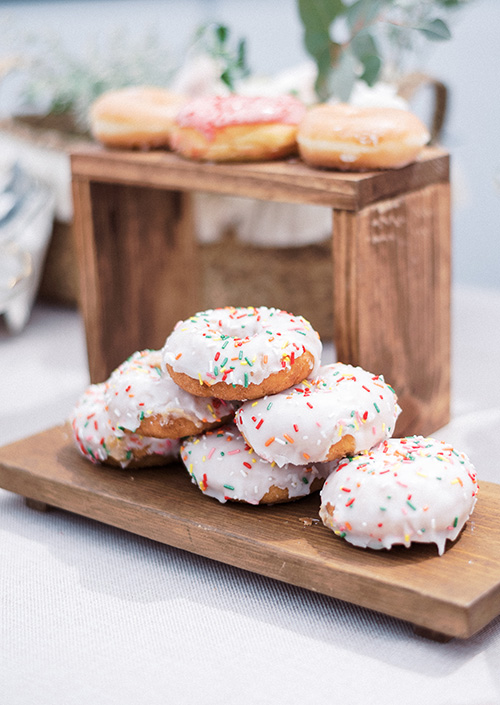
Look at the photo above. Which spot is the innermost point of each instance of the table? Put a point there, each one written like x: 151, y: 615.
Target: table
x: 390, y: 262
x: 92, y: 614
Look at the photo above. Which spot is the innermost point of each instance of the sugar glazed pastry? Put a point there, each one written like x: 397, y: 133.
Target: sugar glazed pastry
x: 351, y: 138
x: 403, y: 491
x: 225, y: 467
x: 241, y: 353
x: 101, y: 441
x: 237, y: 128
x: 142, y: 397
x: 338, y: 411
x: 139, y: 117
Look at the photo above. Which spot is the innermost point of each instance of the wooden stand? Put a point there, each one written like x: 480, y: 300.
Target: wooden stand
x: 391, y: 260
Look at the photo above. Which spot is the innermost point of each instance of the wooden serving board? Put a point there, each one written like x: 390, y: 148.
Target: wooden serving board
x: 454, y: 595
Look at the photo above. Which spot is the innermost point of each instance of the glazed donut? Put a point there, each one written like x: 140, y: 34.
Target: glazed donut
x: 142, y: 397
x: 346, y: 137
x: 241, y: 353
x: 237, y: 128
x: 337, y: 412
x: 224, y: 466
x: 402, y: 491
x: 100, y: 442
x: 135, y: 117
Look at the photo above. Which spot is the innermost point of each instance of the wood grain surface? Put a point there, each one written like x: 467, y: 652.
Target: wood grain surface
x: 288, y: 181
x: 454, y: 595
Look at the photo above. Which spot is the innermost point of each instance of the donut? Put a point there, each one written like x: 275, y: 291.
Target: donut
x: 351, y: 138
x: 241, y: 353
x: 403, y: 491
x: 337, y: 412
x: 142, y: 397
x: 225, y: 467
x: 139, y: 116
x: 237, y: 128
x: 100, y: 441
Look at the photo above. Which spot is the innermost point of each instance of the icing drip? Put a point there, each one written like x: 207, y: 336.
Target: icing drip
x: 209, y: 113
x: 225, y: 467
x: 140, y: 388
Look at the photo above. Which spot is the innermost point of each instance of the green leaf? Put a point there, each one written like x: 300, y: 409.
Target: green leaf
x: 436, y: 30
x: 222, y: 33
x: 318, y: 15
x: 363, y: 12
x: 343, y: 75
x: 372, y: 65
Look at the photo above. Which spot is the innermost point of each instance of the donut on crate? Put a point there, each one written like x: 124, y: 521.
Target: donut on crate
x: 237, y: 128
x: 350, y: 138
x: 139, y: 116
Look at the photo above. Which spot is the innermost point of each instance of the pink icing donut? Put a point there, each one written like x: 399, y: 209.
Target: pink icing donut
x: 100, y: 441
x: 336, y: 412
x: 402, y: 491
x: 237, y: 127
x: 225, y: 467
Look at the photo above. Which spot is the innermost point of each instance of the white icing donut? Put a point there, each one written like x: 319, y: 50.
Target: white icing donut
x: 348, y: 137
x: 241, y: 353
x: 339, y: 411
x: 224, y: 466
x: 402, y: 491
x: 142, y: 396
x: 136, y: 116
x: 100, y: 442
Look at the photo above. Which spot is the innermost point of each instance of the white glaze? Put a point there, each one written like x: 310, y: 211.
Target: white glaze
x: 402, y: 491
x: 98, y: 439
x: 239, y: 345
x: 302, y: 423
x: 224, y: 466
x: 140, y: 388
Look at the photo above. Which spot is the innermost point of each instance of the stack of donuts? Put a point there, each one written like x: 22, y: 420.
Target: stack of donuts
x: 241, y: 396
x: 234, y: 128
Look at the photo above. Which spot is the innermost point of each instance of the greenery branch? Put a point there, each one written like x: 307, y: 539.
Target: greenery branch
x: 352, y: 40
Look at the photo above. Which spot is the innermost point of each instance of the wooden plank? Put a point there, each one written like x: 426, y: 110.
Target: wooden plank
x: 289, y: 181
x: 455, y: 594
x: 391, y: 266
x: 137, y: 252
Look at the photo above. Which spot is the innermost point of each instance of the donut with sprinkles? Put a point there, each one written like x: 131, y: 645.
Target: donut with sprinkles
x: 241, y: 353
x: 225, y: 467
x: 337, y: 412
x: 99, y: 441
x: 403, y: 491
x: 142, y: 397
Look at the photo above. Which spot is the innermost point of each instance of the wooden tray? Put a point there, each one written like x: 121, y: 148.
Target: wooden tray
x: 454, y: 595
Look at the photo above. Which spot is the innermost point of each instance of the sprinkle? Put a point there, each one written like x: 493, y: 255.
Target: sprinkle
x: 455, y: 522
x: 269, y: 441
x: 259, y: 424
x: 288, y: 438
x: 229, y: 487
x: 411, y: 505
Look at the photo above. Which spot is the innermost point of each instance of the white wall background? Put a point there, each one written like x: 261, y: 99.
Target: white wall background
x: 469, y: 65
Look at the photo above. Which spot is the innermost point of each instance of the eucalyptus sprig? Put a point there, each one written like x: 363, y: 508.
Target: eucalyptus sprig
x: 356, y: 40
x: 215, y: 40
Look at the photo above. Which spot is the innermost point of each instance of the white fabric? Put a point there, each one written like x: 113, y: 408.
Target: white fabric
x: 91, y: 615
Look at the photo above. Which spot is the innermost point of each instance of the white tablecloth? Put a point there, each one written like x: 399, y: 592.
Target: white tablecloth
x: 90, y: 615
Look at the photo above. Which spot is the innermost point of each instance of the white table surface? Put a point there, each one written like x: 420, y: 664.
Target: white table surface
x: 91, y: 615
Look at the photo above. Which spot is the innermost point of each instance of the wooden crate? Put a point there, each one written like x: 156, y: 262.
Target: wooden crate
x: 140, y: 264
